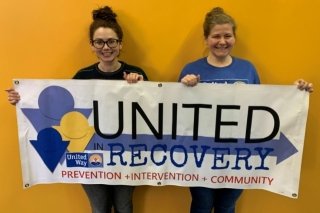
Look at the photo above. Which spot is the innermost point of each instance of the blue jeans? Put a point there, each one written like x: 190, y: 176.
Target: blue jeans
x: 103, y: 197
x: 221, y: 200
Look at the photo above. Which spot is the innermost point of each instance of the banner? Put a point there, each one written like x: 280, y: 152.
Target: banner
x: 150, y: 133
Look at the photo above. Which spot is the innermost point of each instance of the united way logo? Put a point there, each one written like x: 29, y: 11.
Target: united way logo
x: 62, y: 128
x: 84, y: 160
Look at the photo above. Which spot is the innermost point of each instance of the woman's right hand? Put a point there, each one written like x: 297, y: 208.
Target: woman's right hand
x: 13, y: 96
x: 190, y: 80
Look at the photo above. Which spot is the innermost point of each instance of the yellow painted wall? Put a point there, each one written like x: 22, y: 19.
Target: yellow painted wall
x: 48, y: 39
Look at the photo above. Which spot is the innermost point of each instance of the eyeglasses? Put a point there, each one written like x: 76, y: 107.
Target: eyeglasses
x: 99, y: 43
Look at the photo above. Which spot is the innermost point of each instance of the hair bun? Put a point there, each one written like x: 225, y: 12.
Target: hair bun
x: 217, y: 10
x: 104, y: 13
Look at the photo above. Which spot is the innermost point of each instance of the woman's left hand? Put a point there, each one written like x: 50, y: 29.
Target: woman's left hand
x: 304, y: 85
x: 132, y: 77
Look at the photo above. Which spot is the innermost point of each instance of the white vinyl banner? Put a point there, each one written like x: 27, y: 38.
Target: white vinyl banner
x: 151, y: 133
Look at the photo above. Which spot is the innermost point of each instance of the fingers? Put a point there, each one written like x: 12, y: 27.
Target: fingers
x: 304, y: 85
x: 309, y: 87
x: 132, y: 77
x: 190, y: 80
x: 13, y: 96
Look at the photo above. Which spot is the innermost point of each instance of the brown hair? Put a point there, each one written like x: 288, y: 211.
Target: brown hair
x: 217, y: 16
x: 106, y: 18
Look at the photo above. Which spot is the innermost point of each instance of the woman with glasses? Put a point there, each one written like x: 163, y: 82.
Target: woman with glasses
x: 106, y: 41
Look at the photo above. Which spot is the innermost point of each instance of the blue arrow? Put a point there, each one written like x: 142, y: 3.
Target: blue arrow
x: 280, y: 148
x: 50, y: 147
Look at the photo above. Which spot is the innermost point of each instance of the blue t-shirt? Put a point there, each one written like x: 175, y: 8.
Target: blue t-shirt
x: 239, y: 71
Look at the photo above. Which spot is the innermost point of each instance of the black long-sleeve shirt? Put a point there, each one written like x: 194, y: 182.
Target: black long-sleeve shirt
x: 93, y: 72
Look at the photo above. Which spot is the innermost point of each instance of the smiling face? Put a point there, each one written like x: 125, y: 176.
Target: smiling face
x: 220, y: 41
x: 106, y: 54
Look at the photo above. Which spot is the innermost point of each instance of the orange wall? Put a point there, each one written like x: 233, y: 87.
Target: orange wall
x: 48, y: 39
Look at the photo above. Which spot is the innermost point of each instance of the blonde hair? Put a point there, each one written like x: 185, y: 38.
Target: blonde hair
x: 217, y: 16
